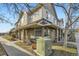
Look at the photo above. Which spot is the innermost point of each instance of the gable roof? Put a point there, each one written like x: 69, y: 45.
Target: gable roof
x: 20, y: 16
x: 40, y: 5
x: 29, y: 13
x: 35, y: 9
x: 43, y: 19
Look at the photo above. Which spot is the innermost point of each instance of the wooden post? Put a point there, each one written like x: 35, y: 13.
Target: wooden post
x: 26, y: 35
x: 57, y: 34
x: 43, y: 32
x: 19, y: 32
x: 60, y: 34
x: 22, y: 34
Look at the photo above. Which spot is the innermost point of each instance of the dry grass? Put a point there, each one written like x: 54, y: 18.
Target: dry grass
x: 2, y: 51
x: 8, y: 37
x: 66, y: 49
x: 25, y: 46
x: 61, y: 50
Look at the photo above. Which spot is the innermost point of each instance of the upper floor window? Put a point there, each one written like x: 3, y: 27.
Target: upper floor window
x: 46, y: 14
x: 29, y: 19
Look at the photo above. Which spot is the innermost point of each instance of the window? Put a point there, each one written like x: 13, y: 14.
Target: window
x: 29, y: 19
x: 46, y: 14
x: 38, y: 32
x: 49, y: 15
x: 46, y: 33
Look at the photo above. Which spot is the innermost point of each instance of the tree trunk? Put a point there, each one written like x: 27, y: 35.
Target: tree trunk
x: 65, y: 38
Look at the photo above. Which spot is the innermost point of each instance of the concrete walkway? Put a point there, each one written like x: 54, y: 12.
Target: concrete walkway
x: 12, y: 49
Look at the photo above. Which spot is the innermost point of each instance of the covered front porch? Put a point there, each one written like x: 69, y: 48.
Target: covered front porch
x: 32, y: 32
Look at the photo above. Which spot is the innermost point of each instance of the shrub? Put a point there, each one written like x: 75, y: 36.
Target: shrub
x: 8, y: 37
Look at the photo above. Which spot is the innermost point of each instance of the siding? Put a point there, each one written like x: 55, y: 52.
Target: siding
x: 24, y: 19
x: 37, y: 15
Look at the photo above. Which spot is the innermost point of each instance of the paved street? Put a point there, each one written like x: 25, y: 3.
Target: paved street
x: 12, y: 49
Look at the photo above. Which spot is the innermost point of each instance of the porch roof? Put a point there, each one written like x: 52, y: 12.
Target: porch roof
x: 36, y: 25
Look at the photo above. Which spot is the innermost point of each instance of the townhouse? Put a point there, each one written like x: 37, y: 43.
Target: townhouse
x: 42, y: 21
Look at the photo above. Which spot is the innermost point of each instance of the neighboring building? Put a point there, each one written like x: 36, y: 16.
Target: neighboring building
x: 42, y: 21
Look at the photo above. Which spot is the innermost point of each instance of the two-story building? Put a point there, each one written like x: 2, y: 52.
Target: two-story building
x: 42, y: 21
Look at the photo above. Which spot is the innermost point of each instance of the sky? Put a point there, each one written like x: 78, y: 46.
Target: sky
x: 6, y: 27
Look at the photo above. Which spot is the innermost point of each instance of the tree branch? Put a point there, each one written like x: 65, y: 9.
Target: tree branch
x: 65, y: 11
x: 27, y: 5
x: 6, y: 20
x: 73, y: 22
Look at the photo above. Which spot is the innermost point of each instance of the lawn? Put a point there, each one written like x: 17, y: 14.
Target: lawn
x: 57, y: 50
x: 8, y: 37
x: 25, y: 46
x: 60, y: 50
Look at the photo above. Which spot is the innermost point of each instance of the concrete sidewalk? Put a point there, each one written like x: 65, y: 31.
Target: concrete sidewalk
x: 13, y: 49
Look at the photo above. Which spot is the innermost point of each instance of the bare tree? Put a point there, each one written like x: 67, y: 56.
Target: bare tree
x: 71, y: 14
x: 15, y: 10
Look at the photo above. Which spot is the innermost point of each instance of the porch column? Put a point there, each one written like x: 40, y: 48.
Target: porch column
x: 60, y: 35
x: 26, y: 35
x: 22, y: 35
x: 43, y: 32
x: 57, y: 34
x: 18, y: 34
